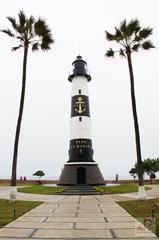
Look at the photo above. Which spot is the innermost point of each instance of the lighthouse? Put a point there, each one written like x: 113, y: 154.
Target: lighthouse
x: 81, y: 167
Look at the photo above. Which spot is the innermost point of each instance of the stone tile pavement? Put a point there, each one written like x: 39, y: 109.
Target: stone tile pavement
x: 75, y: 217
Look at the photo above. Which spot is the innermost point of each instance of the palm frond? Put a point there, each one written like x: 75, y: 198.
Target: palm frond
x: 31, y: 21
x: 22, y: 18
x: 16, y: 48
x: 122, y: 53
x: 8, y: 32
x: 133, y: 26
x: 13, y: 22
x: 34, y: 33
x: 122, y: 26
x: 35, y: 47
x: 20, y: 38
x: 147, y: 45
x: 110, y: 53
x: 29, y: 24
x: 17, y: 27
x: 41, y: 28
x: 47, y: 40
x: 145, y: 32
x: 45, y: 47
x: 130, y: 36
x: 21, y: 30
x: 118, y: 35
x: 109, y: 36
x: 136, y: 47
x: 137, y: 38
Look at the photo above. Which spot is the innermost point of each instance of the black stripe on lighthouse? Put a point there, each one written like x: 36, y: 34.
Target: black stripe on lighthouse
x: 81, y: 150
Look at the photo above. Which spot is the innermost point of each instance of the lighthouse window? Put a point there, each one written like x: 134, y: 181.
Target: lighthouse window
x: 79, y: 91
x: 80, y: 119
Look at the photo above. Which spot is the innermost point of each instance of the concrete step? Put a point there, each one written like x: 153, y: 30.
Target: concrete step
x: 81, y: 190
x: 80, y: 193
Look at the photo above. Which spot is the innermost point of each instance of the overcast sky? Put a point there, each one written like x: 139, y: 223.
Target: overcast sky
x: 44, y: 138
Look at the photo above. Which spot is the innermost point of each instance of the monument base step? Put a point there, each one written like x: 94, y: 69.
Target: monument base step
x: 81, y: 190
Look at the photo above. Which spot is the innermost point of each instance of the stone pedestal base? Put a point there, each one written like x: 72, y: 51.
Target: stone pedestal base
x: 13, y: 193
x: 81, y: 173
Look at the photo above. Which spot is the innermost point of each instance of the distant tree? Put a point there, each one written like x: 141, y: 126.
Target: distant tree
x: 150, y: 167
x: 36, y: 35
x: 133, y: 173
x: 39, y: 174
x: 156, y: 160
x: 152, y: 176
x: 131, y: 37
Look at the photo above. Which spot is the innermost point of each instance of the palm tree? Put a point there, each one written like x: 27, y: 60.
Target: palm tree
x: 33, y: 34
x: 131, y: 37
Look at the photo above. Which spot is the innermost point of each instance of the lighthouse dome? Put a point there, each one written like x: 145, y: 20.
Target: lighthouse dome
x: 79, y: 69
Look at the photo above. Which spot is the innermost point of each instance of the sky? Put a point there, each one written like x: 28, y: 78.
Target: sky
x: 78, y: 27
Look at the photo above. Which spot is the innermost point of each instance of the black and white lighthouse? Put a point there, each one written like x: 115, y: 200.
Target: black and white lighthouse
x: 81, y: 167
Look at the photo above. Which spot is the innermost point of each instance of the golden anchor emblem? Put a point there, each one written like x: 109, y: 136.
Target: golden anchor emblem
x: 80, y: 105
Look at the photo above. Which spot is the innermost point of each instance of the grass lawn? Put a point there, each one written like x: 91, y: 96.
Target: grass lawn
x: 38, y: 189
x: 142, y: 210
x: 9, y: 211
x: 124, y: 188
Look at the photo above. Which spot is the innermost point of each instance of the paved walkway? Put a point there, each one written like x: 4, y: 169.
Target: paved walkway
x: 74, y: 217
x: 153, y: 193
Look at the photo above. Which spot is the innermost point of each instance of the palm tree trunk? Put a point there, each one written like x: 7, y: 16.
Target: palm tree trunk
x: 136, y: 125
x: 16, y: 142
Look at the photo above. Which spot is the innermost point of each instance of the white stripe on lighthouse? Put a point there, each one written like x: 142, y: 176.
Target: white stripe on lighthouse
x: 80, y: 129
x: 79, y: 83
